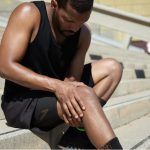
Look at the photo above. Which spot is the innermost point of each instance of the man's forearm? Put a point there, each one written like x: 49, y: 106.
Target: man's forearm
x: 27, y: 78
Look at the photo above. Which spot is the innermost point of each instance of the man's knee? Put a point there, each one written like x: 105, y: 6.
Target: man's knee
x: 114, y: 65
x: 87, y: 95
x: 114, y: 68
x: 110, y: 66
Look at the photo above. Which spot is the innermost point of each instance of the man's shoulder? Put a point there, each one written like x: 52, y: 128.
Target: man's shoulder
x: 26, y: 10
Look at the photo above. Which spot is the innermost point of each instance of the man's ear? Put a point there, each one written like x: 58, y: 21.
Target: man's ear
x: 54, y: 4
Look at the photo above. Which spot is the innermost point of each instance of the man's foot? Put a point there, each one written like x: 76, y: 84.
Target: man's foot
x: 75, y: 139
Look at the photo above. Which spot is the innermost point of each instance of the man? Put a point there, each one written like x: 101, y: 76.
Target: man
x: 42, y: 56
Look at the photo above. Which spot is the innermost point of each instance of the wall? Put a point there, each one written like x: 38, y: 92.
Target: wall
x: 140, y: 7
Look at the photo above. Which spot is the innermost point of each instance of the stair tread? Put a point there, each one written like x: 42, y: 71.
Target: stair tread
x: 128, y: 98
x: 127, y: 134
x: 4, y: 129
x: 131, y: 134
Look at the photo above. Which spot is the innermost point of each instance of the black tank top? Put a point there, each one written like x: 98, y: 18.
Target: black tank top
x: 44, y: 55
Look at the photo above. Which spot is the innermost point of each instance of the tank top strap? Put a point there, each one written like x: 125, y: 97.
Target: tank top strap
x: 42, y: 8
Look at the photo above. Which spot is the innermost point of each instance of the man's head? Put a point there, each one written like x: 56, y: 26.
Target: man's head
x: 80, y: 6
x: 69, y: 15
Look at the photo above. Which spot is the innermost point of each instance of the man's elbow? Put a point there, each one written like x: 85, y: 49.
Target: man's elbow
x: 4, y: 70
x: 2, y: 73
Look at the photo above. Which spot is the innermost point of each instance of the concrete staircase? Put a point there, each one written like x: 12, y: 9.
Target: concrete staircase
x: 129, y: 104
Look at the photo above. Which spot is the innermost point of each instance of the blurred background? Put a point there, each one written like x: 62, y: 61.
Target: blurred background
x: 138, y: 7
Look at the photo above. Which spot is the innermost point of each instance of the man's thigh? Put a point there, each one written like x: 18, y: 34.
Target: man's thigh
x: 88, y: 76
x: 46, y: 116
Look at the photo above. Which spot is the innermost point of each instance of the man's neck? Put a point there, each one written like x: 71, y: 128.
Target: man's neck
x: 56, y: 34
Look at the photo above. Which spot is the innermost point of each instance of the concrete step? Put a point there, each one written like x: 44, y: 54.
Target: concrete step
x: 125, y: 62
x: 126, y: 58
x: 127, y: 134
x: 2, y: 81
x: 121, y: 57
x: 126, y: 87
x: 2, y: 117
x: 14, y: 138
x: 136, y: 134
x: 124, y: 109
x: 99, y: 49
x: 137, y: 65
x: 147, y: 73
x: 129, y: 74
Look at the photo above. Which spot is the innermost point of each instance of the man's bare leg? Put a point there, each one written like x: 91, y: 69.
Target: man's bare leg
x: 94, y: 120
x: 106, y: 75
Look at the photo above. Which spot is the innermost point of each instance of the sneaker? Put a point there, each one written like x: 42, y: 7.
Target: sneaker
x: 75, y: 139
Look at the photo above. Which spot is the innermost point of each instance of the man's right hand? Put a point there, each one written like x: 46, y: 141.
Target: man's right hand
x: 69, y: 99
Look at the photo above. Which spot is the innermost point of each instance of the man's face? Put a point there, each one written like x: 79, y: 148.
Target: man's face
x: 68, y: 21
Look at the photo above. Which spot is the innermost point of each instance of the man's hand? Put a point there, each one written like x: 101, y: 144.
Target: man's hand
x: 69, y: 99
x: 72, y: 121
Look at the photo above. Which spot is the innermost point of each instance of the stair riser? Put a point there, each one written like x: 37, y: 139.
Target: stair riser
x: 129, y: 87
x: 25, y: 139
x: 125, y: 113
x: 113, y: 51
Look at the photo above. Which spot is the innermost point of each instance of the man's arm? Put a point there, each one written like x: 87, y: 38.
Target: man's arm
x: 77, y: 64
x: 22, y: 25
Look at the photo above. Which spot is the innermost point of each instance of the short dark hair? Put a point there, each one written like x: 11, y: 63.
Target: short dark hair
x: 79, y: 5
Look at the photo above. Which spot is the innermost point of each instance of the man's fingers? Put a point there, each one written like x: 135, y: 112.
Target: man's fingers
x: 72, y: 110
x: 77, y: 107
x: 66, y: 109
x: 65, y: 119
x: 80, y: 102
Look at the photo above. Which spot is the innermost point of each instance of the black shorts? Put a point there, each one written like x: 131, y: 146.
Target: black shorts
x: 39, y: 111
